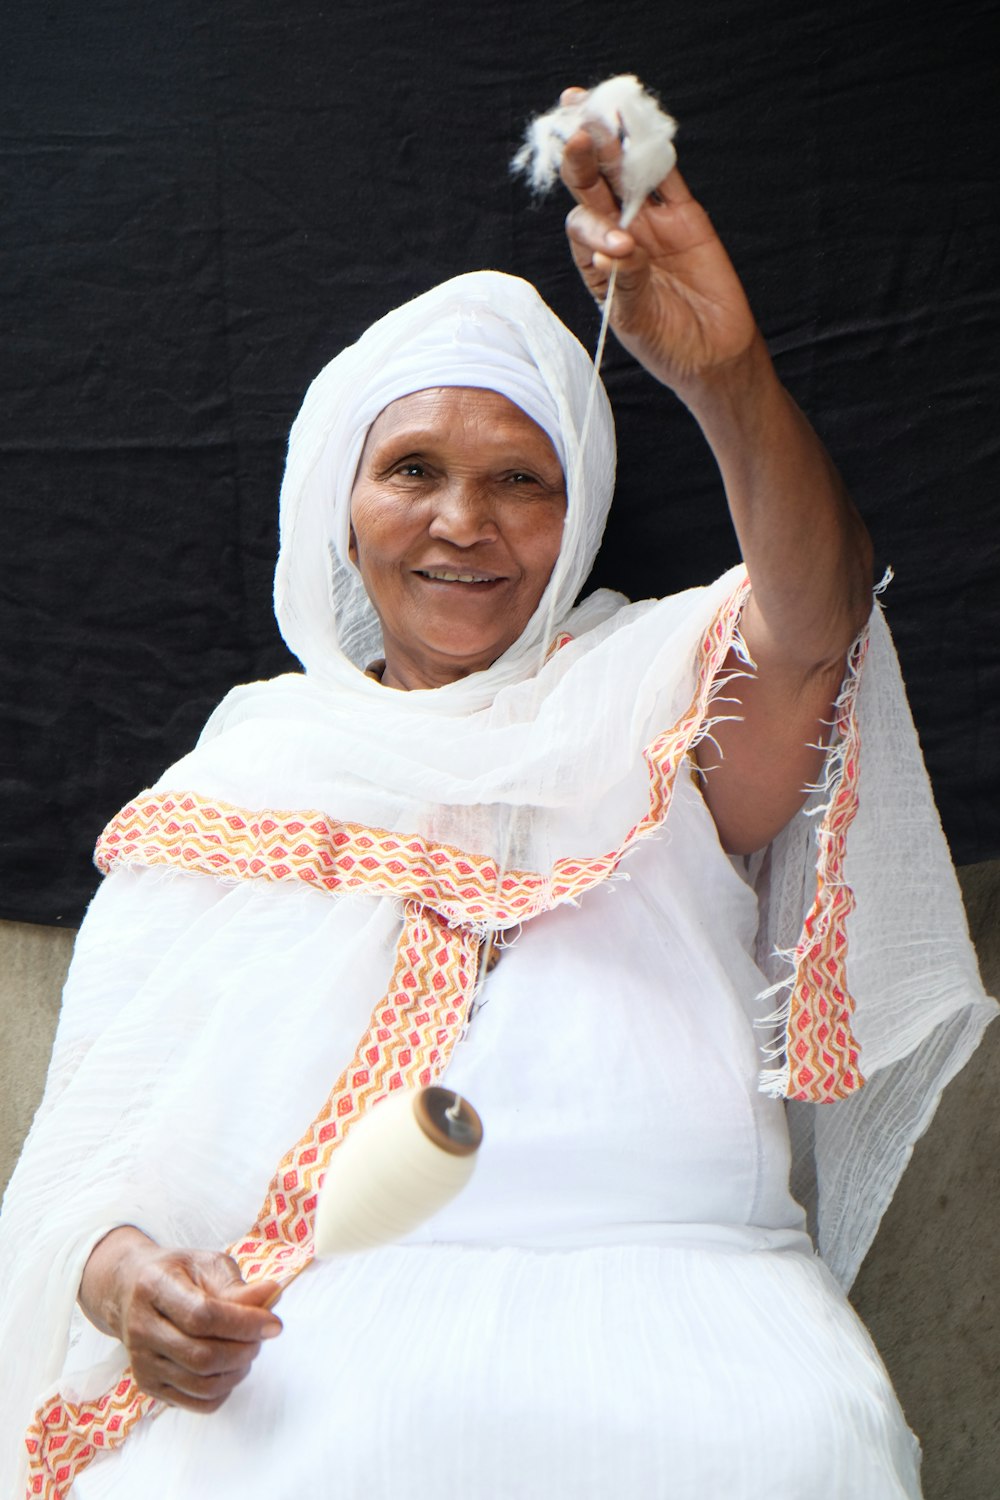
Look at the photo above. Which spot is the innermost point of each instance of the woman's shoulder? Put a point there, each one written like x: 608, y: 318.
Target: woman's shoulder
x: 268, y: 698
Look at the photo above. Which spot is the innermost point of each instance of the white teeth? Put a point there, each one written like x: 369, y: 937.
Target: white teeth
x: 456, y: 577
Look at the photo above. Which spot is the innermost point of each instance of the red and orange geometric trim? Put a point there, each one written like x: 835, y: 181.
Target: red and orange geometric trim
x: 407, y: 1044
x: 452, y: 898
x: 819, y: 1054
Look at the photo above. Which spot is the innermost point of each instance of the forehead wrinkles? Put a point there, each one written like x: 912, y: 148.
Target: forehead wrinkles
x: 473, y: 428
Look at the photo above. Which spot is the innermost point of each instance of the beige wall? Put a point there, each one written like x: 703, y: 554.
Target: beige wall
x: 929, y: 1290
x: 33, y: 964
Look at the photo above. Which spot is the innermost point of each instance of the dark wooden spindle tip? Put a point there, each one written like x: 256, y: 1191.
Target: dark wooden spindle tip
x: 460, y: 1133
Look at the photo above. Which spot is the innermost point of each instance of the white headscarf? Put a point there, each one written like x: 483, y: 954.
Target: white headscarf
x: 483, y: 330
x: 533, y: 749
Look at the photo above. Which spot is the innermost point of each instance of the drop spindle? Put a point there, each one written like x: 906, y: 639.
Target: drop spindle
x: 400, y: 1164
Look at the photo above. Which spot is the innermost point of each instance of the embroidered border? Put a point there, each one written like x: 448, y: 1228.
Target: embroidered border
x: 206, y: 836
x: 408, y: 1043
x: 817, y: 1054
x: 450, y: 896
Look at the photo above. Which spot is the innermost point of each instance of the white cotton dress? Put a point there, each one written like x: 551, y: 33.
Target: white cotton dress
x: 623, y: 1302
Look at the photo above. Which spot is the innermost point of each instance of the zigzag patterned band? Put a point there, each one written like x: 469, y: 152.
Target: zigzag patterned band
x: 452, y: 897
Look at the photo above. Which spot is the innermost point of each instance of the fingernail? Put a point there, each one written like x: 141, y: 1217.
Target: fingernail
x: 271, y: 1330
x: 615, y: 240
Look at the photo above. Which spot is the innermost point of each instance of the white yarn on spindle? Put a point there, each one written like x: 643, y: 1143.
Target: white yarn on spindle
x: 390, y: 1174
x: 617, y: 108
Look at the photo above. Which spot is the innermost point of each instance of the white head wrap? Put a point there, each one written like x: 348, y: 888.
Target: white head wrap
x: 483, y: 330
x: 523, y: 770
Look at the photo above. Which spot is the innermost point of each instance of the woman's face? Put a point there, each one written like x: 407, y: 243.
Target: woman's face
x: 456, y: 521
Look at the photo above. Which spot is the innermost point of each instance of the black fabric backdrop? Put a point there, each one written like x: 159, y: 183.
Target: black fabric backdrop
x: 204, y: 203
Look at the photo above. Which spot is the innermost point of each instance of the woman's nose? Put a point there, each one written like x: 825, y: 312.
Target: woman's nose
x: 463, y: 514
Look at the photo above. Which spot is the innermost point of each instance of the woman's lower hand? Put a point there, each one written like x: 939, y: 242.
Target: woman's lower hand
x: 679, y: 306
x: 190, y: 1324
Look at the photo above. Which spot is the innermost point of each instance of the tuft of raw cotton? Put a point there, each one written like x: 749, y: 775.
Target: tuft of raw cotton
x: 617, y: 108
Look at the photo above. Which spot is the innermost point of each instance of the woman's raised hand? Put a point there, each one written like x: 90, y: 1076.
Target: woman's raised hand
x: 191, y: 1325
x: 678, y: 306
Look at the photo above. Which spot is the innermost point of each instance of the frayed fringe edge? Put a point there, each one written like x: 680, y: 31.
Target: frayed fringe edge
x: 775, y: 1081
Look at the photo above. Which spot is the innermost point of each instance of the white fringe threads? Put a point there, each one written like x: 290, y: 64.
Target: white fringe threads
x: 619, y: 108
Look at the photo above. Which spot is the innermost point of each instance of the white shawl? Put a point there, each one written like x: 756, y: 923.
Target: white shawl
x: 180, y: 978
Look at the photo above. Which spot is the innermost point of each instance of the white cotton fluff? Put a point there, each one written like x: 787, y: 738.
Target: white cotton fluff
x: 619, y: 107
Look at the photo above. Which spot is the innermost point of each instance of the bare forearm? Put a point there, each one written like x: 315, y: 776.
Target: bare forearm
x: 806, y: 548
x: 678, y: 306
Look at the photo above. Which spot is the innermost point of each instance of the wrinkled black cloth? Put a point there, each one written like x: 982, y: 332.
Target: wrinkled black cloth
x: 204, y: 203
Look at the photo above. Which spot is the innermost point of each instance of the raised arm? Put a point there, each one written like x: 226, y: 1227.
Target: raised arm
x: 680, y: 309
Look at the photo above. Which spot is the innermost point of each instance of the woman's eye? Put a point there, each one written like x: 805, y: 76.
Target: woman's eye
x: 411, y: 470
x: 519, y: 477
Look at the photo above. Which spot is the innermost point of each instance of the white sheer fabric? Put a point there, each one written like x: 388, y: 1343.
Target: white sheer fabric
x: 204, y: 1023
x: 624, y: 1292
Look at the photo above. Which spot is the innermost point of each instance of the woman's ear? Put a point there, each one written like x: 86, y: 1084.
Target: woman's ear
x: 352, y: 545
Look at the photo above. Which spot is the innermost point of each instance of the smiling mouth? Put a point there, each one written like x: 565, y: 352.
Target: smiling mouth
x: 446, y: 575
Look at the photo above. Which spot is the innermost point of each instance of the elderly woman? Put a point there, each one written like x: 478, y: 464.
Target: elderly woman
x: 305, y: 912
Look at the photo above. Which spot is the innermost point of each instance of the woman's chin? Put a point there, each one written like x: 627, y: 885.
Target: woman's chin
x: 442, y: 658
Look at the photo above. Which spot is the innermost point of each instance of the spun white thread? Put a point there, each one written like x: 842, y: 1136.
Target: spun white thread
x: 387, y: 1177
x: 619, y: 107
x: 545, y: 643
